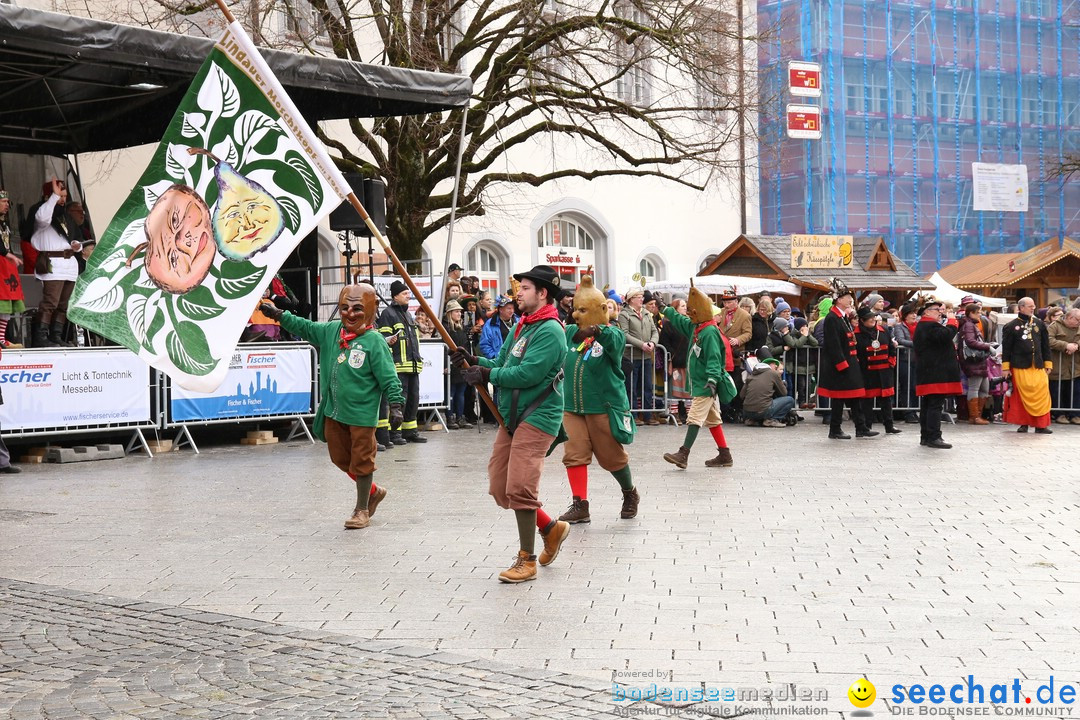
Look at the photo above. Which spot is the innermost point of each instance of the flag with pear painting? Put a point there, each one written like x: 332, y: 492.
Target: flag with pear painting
x: 237, y: 181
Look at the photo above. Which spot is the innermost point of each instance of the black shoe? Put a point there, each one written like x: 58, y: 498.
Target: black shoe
x: 937, y: 444
x: 11, y: 470
x: 893, y: 430
x: 1022, y: 429
x: 1038, y: 431
x: 379, y: 447
x: 912, y: 418
x: 398, y: 440
x: 413, y: 438
x: 840, y: 435
x: 866, y: 433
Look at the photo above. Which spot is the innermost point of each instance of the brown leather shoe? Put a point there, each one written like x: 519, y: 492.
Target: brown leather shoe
x: 653, y: 421
x: 359, y: 520
x: 524, y: 568
x: 678, y: 459
x: 553, y: 542
x: 578, y: 512
x: 630, y: 500
x: 374, y: 500
x: 722, y: 459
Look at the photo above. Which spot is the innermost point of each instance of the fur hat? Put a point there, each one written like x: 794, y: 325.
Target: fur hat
x: 924, y: 302
x: 839, y: 289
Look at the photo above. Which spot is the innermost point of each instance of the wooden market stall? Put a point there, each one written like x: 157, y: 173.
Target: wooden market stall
x: 1048, y: 272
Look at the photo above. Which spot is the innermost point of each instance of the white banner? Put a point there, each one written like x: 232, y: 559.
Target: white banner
x: 999, y: 188
x: 433, y: 377
x: 261, y: 381
x: 73, y: 388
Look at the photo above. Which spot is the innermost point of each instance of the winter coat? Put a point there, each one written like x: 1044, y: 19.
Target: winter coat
x: 676, y: 344
x: 1066, y: 367
x: 759, y: 389
x: 491, y: 337
x: 936, y: 370
x: 705, y: 359
x: 460, y: 336
x: 877, y: 364
x: 594, y: 376
x: 638, y: 331
x: 759, y: 334
x: 740, y: 328
x: 397, y: 320
x: 839, y: 375
x: 971, y: 336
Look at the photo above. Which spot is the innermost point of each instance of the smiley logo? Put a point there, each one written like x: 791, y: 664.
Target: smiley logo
x: 862, y: 693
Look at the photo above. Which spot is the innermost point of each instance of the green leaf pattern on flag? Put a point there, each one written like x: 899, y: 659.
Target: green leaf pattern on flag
x: 238, y: 130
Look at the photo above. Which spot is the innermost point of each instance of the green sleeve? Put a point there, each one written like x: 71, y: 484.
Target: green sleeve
x: 713, y: 349
x: 314, y: 332
x: 612, y: 340
x: 544, y: 350
x: 383, y: 369
x: 681, y: 322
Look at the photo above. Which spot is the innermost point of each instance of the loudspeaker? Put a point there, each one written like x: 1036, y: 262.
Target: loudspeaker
x: 372, y: 193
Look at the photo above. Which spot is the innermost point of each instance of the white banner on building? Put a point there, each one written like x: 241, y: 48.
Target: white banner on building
x: 433, y: 376
x: 260, y: 381
x: 74, y: 388
x: 999, y: 188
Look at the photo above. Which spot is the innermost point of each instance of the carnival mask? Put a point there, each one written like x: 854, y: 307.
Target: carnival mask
x: 699, y: 307
x: 589, y: 304
x: 356, y: 306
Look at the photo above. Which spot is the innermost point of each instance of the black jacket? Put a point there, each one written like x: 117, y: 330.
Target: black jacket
x: 839, y: 374
x: 1025, y: 344
x: 936, y: 370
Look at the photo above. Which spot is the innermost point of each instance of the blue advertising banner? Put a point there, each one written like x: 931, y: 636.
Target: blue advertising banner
x: 260, y: 381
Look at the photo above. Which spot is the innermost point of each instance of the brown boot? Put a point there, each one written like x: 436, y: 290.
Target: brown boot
x: 358, y: 521
x: 524, y: 568
x: 374, y: 500
x: 680, y: 458
x: 722, y: 459
x: 578, y: 512
x: 975, y: 412
x: 553, y: 540
x: 630, y: 500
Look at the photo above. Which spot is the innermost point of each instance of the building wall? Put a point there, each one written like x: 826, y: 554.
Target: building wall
x: 914, y: 92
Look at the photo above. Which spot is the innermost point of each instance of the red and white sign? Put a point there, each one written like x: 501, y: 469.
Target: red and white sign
x: 804, y: 122
x: 804, y: 79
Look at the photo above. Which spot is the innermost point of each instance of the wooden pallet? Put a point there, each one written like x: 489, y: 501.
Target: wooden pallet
x: 259, y: 437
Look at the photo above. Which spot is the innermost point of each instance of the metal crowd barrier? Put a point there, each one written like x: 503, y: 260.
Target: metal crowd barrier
x: 641, y: 383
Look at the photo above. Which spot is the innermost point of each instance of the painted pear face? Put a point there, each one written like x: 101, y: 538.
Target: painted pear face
x: 178, y: 232
x: 357, y: 307
x: 698, y: 307
x: 589, y: 304
x: 247, y: 218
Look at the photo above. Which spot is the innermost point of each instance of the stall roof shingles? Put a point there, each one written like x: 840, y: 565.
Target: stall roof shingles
x: 777, y: 250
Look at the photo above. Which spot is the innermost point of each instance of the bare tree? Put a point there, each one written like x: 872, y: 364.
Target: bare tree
x: 634, y: 88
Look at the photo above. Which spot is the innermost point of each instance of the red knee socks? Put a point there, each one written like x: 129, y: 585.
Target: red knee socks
x: 542, y: 519
x: 579, y: 481
x: 718, y: 436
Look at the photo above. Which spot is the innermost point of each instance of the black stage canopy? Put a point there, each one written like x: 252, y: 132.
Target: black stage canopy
x: 72, y: 85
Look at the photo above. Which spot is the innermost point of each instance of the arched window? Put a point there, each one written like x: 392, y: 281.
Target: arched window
x: 567, y: 246
x: 706, y: 261
x: 652, y: 268
x: 484, y: 261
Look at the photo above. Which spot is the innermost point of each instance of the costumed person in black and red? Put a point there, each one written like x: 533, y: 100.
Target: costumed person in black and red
x: 937, y: 371
x: 596, y: 411
x: 355, y: 370
x: 840, y: 377
x: 877, y: 362
x: 11, y: 292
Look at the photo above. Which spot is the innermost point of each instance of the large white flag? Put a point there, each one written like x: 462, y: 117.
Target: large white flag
x: 238, y: 180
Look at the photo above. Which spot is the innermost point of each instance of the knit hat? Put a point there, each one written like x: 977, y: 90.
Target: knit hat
x: 800, y: 323
x: 612, y: 295
x: 4, y: 195
x: 397, y: 287
x: 781, y: 306
x: 648, y: 297
x: 873, y: 299
x: 779, y: 324
x: 764, y: 356
x: 824, y: 305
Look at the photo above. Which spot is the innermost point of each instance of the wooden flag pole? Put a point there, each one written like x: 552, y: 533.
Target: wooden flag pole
x: 355, y: 202
x: 435, y: 317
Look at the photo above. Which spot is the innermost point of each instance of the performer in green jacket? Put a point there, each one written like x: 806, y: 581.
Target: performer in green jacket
x: 355, y: 369
x: 596, y: 414
x: 709, y: 383
x: 529, y: 375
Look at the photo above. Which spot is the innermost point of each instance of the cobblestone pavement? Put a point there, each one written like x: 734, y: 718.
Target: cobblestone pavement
x: 809, y: 564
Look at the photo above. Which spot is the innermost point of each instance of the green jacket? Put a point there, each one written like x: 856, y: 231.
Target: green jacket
x: 705, y: 358
x: 594, y: 376
x: 529, y: 364
x: 353, y: 379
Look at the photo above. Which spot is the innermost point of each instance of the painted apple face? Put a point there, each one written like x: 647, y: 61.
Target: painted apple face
x: 180, y: 240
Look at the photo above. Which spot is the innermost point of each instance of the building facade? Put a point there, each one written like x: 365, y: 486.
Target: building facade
x: 914, y: 92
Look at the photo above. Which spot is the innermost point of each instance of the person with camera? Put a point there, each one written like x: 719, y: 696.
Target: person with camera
x: 57, y: 240
x: 765, y: 398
